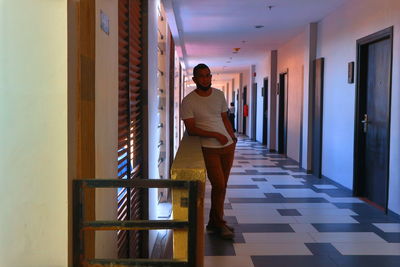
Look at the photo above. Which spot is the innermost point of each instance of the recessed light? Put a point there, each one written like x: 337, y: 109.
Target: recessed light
x: 259, y: 26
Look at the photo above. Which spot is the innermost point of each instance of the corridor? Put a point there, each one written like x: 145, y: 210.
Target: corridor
x: 92, y: 89
x: 284, y: 217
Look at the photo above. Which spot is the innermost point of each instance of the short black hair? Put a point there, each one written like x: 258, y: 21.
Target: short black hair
x: 199, y: 67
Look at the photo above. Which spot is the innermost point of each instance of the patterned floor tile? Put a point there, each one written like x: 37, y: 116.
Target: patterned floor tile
x: 303, y: 228
x: 323, y: 249
x: 346, y: 237
x: 364, y: 248
x: 285, y: 217
x: 231, y: 261
x: 293, y: 261
x: 289, y: 212
x: 256, y: 249
x: 389, y: 227
x: 267, y: 238
x: 366, y: 261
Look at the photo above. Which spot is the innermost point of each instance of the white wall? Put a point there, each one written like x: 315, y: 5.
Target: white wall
x: 337, y: 37
x: 251, y: 90
x: 106, y: 125
x: 291, y: 59
x: 33, y: 136
x: 263, y: 70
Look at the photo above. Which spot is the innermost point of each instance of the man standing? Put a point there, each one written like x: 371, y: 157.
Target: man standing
x: 204, y: 112
x: 232, y: 115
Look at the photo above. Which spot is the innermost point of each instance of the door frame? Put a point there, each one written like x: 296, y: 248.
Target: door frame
x: 264, y: 92
x: 317, y: 117
x: 359, y: 148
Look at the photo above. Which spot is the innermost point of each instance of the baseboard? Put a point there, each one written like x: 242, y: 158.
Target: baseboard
x: 394, y: 214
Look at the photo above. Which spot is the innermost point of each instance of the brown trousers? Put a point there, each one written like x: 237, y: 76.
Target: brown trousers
x: 218, y: 164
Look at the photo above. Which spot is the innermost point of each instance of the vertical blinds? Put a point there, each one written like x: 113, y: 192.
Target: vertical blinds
x: 129, y: 122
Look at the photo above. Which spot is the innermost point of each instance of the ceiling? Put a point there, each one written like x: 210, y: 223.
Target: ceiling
x: 207, y: 31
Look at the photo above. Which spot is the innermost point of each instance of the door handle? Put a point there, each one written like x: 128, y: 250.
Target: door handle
x: 365, y: 123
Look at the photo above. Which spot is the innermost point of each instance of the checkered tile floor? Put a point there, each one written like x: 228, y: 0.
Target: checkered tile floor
x: 284, y: 217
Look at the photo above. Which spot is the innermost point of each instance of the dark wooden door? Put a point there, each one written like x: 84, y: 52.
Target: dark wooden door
x: 254, y: 112
x: 244, y: 103
x: 377, y: 136
x: 317, y: 108
x: 265, y: 112
x: 373, y: 118
x: 282, y: 122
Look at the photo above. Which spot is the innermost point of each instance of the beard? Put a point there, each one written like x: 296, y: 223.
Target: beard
x: 203, y: 88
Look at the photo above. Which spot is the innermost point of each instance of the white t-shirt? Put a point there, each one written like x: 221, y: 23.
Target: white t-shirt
x: 206, y: 110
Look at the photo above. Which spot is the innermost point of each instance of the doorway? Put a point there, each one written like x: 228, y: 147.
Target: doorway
x: 245, y: 109
x: 264, y: 93
x: 254, y: 112
x: 317, y: 99
x: 282, y: 113
x: 372, y: 122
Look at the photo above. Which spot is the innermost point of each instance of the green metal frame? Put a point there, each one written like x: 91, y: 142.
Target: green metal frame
x: 79, y: 225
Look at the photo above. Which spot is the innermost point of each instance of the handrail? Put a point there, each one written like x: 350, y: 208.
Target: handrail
x: 79, y: 225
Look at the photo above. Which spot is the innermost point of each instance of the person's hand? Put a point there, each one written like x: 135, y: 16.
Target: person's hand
x: 234, y: 139
x: 222, y: 139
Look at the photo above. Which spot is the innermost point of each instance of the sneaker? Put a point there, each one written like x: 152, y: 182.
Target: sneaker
x: 212, y: 229
x: 225, y: 233
x: 215, y: 229
x: 230, y: 228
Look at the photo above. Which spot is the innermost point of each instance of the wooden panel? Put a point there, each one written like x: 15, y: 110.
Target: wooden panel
x: 85, y: 120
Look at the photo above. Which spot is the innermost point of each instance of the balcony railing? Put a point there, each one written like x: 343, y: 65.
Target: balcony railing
x: 188, y: 175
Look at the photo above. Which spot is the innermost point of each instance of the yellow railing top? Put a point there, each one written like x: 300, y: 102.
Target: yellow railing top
x: 189, y: 163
